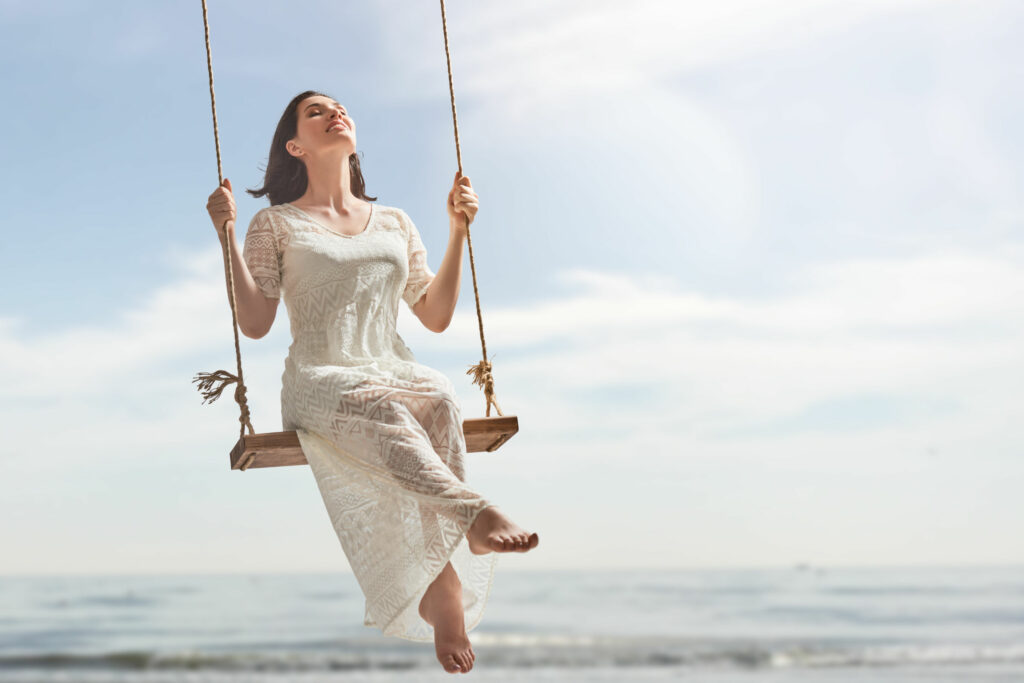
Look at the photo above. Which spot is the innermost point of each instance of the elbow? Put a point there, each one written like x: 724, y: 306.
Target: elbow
x: 443, y: 325
x: 435, y: 326
x: 253, y: 334
x: 257, y: 326
x: 439, y: 326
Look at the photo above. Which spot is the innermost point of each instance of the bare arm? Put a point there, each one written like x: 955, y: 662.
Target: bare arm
x: 437, y: 305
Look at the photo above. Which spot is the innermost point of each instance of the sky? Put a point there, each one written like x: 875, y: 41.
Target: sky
x: 751, y: 274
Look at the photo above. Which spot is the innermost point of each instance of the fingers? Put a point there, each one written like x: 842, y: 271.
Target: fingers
x: 222, y: 198
x: 462, y: 199
x: 221, y: 206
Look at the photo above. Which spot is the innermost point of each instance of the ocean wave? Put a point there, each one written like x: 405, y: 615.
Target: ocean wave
x: 531, y: 650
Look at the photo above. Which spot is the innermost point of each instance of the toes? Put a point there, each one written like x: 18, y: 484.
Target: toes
x: 517, y: 543
x: 525, y: 542
x: 450, y: 664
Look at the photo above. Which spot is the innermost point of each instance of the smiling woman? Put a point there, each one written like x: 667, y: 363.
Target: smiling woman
x: 286, y: 176
x: 382, y: 433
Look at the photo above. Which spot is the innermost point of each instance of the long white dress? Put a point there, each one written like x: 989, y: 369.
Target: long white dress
x: 382, y: 433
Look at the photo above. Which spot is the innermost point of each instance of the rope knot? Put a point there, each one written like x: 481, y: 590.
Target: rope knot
x: 211, y: 384
x: 482, y: 377
x: 240, y: 398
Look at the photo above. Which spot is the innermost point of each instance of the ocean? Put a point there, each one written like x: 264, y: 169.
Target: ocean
x: 807, y: 624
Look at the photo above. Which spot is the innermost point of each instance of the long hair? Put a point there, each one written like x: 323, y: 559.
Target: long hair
x: 286, y: 179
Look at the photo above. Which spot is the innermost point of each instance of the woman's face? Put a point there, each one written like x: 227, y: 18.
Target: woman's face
x: 323, y: 125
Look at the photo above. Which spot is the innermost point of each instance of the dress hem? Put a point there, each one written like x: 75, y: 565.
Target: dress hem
x: 418, y: 595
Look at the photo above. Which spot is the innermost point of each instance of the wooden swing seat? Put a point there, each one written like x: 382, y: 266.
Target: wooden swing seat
x: 276, y: 449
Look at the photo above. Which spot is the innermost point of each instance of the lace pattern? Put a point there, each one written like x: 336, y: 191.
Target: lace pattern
x: 382, y: 432
x: 420, y: 275
x: 261, y: 254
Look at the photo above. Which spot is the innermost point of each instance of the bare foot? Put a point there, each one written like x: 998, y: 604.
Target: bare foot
x: 492, y: 531
x: 441, y: 607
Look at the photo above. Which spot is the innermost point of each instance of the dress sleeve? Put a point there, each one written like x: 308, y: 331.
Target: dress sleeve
x: 262, y: 254
x: 420, y: 275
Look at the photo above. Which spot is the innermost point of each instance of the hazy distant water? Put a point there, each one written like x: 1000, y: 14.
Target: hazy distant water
x: 722, y: 626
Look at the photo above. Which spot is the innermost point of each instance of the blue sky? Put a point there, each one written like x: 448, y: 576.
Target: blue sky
x: 751, y: 274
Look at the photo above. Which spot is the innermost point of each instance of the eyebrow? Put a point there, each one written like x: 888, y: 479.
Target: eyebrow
x: 320, y: 104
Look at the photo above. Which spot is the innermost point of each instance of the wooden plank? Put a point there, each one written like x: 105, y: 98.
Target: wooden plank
x: 279, y: 449
x: 488, y: 433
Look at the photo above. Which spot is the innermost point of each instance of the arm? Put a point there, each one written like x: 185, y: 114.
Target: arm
x: 437, y: 305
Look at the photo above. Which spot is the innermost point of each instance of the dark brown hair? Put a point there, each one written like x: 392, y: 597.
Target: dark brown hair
x: 285, y: 179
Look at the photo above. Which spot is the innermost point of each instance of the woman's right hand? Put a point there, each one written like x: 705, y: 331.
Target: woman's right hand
x: 221, y: 206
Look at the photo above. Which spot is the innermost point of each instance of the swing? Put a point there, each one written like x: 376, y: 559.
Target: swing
x: 276, y: 449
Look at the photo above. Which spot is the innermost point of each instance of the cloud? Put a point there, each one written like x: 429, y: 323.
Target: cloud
x: 930, y: 325
x: 896, y: 342
x: 536, y: 51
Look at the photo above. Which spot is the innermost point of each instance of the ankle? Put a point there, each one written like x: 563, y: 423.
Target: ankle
x: 445, y: 589
x: 441, y: 604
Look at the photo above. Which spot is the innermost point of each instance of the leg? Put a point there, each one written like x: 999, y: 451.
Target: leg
x: 441, y: 607
x: 409, y: 436
x: 492, y: 531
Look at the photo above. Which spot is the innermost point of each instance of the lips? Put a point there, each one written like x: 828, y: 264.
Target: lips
x: 336, y: 125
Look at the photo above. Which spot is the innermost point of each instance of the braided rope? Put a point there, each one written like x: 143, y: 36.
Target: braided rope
x: 211, y: 384
x: 481, y: 371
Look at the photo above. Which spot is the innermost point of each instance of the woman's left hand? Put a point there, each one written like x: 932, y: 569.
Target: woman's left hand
x: 462, y: 203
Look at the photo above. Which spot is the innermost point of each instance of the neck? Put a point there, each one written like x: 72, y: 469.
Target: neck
x: 330, y: 185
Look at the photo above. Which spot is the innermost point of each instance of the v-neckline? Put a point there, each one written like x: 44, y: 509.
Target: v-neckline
x: 369, y: 222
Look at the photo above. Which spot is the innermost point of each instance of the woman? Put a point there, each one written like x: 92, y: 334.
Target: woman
x: 382, y: 433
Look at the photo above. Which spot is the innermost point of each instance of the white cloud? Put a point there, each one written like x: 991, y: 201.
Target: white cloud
x: 940, y: 327
x: 947, y: 324
x: 539, y: 51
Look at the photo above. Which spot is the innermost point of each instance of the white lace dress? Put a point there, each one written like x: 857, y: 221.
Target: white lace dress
x: 382, y: 433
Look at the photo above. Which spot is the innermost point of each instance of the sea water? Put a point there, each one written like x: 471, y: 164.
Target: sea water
x: 807, y: 624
